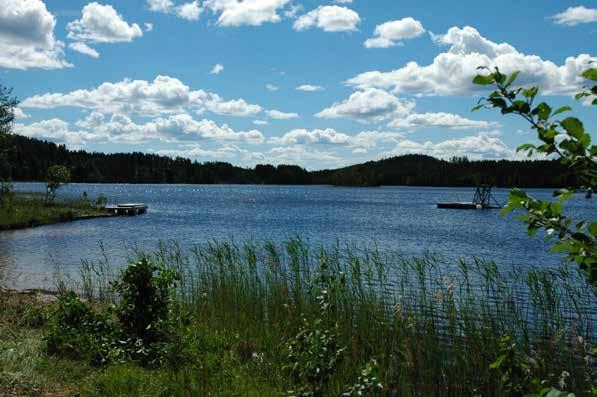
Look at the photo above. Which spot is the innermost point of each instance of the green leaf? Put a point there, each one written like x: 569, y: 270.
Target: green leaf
x: 483, y: 80
x: 593, y: 228
x: 530, y: 92
x: 474, y: 109
x: 559, y: 248
x: 522, y: 106
x: 498, y: 76
x: 573, y: 126
x: 570, y: 146
x: 556, y: 207
x: 590, y: 74
x: 498, y: 103
x: 512, y: 77
x: 543, y: 110
x: 547, y: 136
x: 562, y: 110
x: 581, y: 95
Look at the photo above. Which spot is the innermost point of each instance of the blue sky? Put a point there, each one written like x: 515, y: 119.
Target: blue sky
x: 319, y: 84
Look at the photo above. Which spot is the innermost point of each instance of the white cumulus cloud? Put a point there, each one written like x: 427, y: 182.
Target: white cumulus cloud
x: 140, y: 97
x: 371, y: 104
x: 392, y: 33
x: 102, y: 24
x: 27, y: 36
x: 83, y: 49
x: 439, y: 120
x: 573, y: 16
x: 309, y: 88
x: 190, y: 11
x: 452, y: 72
x: 246, y: 12
x: 329, y: 19
x: 234, y: 107
x: 56, y: 130
x: 305, y: 137
x: 217, y: 69
x: 278, y: 115
x: 485, y: 145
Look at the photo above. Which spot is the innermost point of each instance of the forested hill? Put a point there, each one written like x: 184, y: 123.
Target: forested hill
x: 30, y: 158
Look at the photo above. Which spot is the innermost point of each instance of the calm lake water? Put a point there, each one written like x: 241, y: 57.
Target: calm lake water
x: 403, y: 219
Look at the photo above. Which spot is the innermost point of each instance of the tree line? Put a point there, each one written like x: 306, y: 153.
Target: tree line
x: 29, y: 159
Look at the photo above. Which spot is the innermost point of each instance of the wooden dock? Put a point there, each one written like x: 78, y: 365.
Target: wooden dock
x: 129, y: 209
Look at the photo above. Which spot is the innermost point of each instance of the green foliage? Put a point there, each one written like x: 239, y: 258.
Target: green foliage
x: 144, y: 290
x: 142, y: 332
x: 590, y: 74
x: 313, y: 354
x: 57, y: 176
x: 6, y: 195
x: 513, y: 368
x: 101, y: 201
x: 566, y: 139
x: 367, y: 383
x: 81, y: 334
x: 7, y: 105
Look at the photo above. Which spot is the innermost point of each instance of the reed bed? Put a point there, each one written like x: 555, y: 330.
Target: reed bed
x: 433, y: 326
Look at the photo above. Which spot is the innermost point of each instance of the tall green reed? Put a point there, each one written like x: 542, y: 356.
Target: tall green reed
x: 433, y: 326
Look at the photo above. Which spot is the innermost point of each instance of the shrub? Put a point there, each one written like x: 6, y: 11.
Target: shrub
x: 144, y: 329
x: 313, y: 354
x: 79, y: 333
x: 144, y: 291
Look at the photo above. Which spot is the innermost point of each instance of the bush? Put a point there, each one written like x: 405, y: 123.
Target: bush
x: 144, y: 291
x: 313, y: 354
x: 79, y: 333
x: 142, y: 333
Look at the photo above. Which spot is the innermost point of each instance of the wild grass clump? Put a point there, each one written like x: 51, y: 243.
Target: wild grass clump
x: 311, y: 321
x: 21, y: 210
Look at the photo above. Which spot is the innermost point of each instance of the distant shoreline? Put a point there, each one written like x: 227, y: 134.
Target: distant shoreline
x: 404, y: 170
x: 295, y: 184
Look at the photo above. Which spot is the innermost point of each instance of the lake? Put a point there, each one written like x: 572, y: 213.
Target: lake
x: 401, y: 219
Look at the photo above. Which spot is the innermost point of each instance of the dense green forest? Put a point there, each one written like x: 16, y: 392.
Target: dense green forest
x: 28, y: 159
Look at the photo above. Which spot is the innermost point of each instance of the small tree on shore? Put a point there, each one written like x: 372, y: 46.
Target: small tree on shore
x: 7, y: 106
x: 57, y: 176
x: 566, y: 139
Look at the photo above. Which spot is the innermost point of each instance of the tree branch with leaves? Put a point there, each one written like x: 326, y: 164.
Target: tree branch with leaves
x: 566, y: 139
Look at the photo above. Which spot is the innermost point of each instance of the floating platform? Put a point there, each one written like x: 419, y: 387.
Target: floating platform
x: 483, y: 200
x: 129, y: 209
x: 466, y: 206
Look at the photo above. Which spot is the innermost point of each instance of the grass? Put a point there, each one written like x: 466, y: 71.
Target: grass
x: 29, y: 210
x: 434, y: 327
